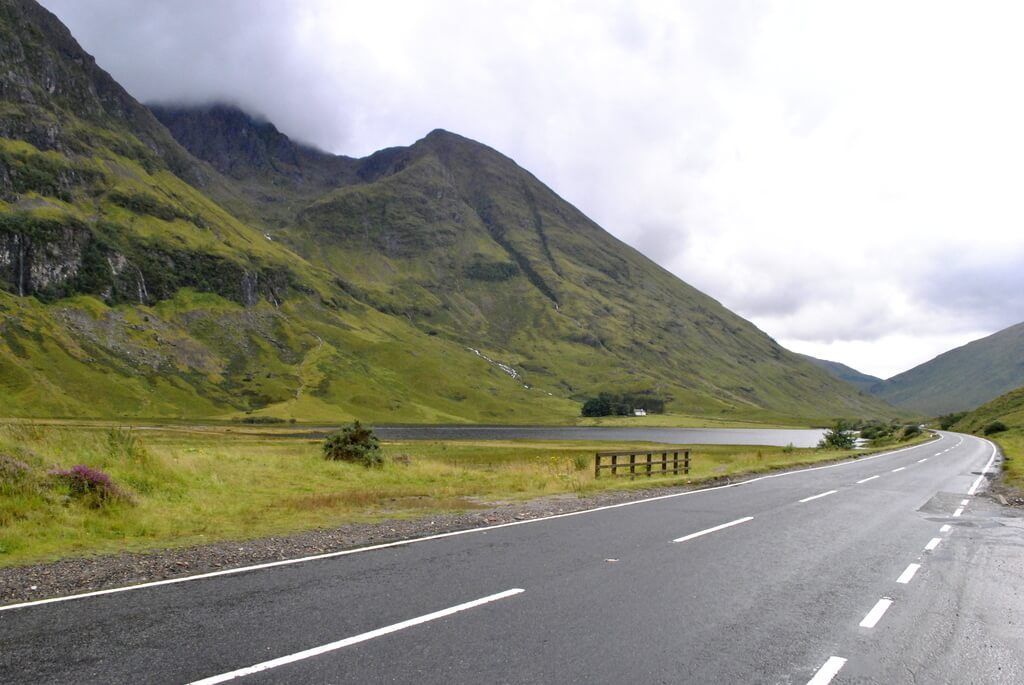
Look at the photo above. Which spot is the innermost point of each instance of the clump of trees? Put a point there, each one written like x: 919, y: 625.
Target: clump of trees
x: 609, y: 404
x: 354, y: 443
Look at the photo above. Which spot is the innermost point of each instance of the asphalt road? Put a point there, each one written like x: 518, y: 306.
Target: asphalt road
x: 804, y: 584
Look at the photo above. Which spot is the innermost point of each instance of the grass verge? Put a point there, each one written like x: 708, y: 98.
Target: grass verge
x: 179, y: 489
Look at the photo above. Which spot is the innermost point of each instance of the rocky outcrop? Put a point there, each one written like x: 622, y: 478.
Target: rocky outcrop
x: 54, y: 258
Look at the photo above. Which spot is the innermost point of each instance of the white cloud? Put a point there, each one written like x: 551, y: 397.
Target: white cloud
x: 846, y: 175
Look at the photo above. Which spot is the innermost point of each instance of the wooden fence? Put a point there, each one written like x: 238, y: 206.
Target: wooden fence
x: 670, y: 462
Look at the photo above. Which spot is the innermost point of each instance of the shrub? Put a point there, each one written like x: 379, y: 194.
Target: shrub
x: 995, y: 427
x: 946, y: 421
x: 354, y: 443
x: 837, y: 437
x: 581, y: 461
x: 788, y: 449
x: 90, y: 484
x: 911, y: 430
x: 14, y: 474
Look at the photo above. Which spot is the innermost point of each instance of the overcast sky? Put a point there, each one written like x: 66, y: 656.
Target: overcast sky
x: 849, y: 176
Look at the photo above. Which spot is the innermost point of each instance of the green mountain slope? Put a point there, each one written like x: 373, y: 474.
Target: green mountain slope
x: 962, y: 378
x: 862, y: 381
x: 1005, y: 413
x: 434, y: 283
x: 1008, y: 408
x: 463, y: 243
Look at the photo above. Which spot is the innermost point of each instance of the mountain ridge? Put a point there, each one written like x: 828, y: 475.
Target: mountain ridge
x: 962, y: 378
x: 438, y: 282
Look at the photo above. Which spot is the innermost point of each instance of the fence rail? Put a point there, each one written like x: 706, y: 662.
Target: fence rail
x: 670, y: 462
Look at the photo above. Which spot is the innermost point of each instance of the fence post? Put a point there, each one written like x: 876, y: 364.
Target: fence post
x: 632, y: 466
x: 648, y: 464
x: 686, y: 462
x: 597, y: 465
x: 615, y: 464
x: 664, y: 463
x: 675, y: 463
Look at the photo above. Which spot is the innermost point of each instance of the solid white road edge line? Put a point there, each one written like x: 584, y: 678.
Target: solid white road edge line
x: 355, y: 639
x: 876, y: 613
x: 438, y: 536
x: 865, y: 480
x: 932, y: 544
x: 908, y: 574
x: 977, y: 481
x: 823, y: 494
x: 945, y: 528
x: 828, y: 671
x: 714, y: 529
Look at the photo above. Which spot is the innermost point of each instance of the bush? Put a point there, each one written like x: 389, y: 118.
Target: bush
x: 90, y: 484
x: 946, y: 421
x: 911, y: 431
x: 838, y: 437
x: 995, y: 427
x: 354, y: 443
x: 14, y: 474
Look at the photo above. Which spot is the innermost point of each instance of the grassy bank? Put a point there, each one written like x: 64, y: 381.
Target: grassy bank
x: 1008, y: 412
x: 175, y: 488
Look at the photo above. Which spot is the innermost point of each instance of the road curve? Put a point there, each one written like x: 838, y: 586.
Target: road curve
x: 885, y: 569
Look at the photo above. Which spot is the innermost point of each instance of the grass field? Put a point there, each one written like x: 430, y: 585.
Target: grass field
x: 190, y: 488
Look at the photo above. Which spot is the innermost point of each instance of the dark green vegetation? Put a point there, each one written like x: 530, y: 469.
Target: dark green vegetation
x: 355, y: 443
x: 861, y: 381
x: 840, y: 437
x: 225, y: 272
x: 963, y: 378
x: 609, y: 404
x: 1007, y: 412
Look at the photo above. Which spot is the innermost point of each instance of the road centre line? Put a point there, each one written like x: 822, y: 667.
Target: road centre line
x: 908, y: 574
x: 959, y: 510
x: 355, y: 639
x: 827, y: 671
x: 865, y: 480
x: 714, y: 529
x: 823, y: 494
x: 876, y: 613
x: 921, y: 461
x: 932, y: 544
x: 437, y: 536
x: 945, y: 528
x: 899, y: 469
x: 964, y: 502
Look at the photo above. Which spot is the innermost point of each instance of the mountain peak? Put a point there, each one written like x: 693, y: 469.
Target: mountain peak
x: 238, y: 143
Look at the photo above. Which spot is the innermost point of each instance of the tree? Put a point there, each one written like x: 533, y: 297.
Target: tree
x: 838, y: 437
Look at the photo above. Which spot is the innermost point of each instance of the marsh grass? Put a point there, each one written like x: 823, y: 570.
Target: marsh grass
x: 192, y: 488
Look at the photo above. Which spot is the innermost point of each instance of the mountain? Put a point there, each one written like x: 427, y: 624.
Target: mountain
x: 225, y: 270
x: 963, y: 378
x: 861, y: 381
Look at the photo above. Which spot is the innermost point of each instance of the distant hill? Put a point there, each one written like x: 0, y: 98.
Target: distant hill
x: 861, y: 381
x: 226, y: 270
x: 963, y: 378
